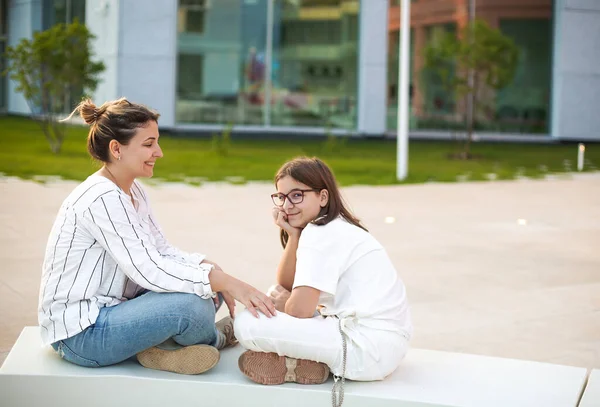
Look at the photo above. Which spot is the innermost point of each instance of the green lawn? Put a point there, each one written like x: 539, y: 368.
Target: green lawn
x: 24, y: 152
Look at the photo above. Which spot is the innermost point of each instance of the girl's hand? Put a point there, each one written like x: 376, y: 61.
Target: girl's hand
x: 279, y: 296
x: 280, y: 219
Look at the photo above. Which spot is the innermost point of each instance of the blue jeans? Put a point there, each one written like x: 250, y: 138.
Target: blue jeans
x: 124, y: 330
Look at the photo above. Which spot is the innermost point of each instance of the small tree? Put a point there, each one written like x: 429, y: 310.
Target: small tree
x: 480, y: 52
x: 49, y: 69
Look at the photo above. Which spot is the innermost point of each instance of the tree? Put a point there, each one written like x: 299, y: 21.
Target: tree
x: 50, y: 68
x: 479, y: 52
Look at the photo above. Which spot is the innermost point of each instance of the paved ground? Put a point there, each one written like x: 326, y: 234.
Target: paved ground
x: 479, y: 280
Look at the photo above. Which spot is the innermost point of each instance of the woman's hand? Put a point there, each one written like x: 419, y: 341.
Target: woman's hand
x: 280, y: 218
x: 234, y: 289
x: 279, y: 296
x: 252, y: 299
x: 229, y: 301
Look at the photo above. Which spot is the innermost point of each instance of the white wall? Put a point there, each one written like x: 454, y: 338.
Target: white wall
x: 148, y: 55
x: 24, y: 18
x: 576, y: 76
x: 136, y: 40
x: 372, y: 67
x: 102, y: 19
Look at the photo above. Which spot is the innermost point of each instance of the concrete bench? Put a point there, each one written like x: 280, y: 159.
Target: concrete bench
x: 33, y: 375
x: 591, y: 395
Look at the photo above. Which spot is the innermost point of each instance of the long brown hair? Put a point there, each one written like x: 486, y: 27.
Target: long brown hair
x: 317, y: 175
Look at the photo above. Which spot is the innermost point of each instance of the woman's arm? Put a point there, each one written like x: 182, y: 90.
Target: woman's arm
x: 162, y: 244
x: 112, y: 220
x: 114, y: 223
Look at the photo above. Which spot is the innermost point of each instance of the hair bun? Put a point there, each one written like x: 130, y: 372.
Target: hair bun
x: 88, y: 111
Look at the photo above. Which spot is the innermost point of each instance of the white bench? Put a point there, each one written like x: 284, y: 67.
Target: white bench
x: 591, y: 395
x: 33, y: 375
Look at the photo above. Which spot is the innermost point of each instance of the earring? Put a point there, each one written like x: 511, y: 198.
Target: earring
x: 119, y: 158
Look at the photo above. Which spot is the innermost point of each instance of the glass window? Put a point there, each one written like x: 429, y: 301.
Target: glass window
x: 437, y: 99
x: 64, y: 11
x: 191, y: 16
x: 53, y: 12
x: 522, y: 106
x: 77, y: 11
x: 315, y: 58
x: 393, y: 68
x: 3, y: 40
x: 222, y: 62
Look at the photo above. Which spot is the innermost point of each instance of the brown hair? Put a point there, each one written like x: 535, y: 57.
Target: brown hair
x: 316, y: 174
x: 114, y: 120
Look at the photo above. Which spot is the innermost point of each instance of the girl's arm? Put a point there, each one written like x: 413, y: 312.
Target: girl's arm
x: 287, y: 265
x: 286, y: 270
x: 303, y: 302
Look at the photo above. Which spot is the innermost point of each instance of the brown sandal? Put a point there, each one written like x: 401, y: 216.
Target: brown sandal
x: 193, y: 359
x: 225, y: 326
x: 270, y: 368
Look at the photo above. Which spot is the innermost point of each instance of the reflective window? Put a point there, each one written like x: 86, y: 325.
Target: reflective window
x: 222, y: 62
x: 3, y: 45
x: 191, y: 16
x: 315, y: 64
x: 522, y: 106
x: 64, y: 11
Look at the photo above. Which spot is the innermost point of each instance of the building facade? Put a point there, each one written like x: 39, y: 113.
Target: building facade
x: 316, y: 66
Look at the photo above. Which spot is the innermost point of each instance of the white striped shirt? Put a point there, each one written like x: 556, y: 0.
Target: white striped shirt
x: 105, y: 249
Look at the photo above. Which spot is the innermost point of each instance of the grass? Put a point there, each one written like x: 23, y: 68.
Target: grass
x: 25, y: 153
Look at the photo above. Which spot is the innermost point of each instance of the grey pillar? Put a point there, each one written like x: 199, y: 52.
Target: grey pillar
x: 24, y: 18
x: 102, y: 19
x: 576, y: 70
x: 372, y: 67
x: 137, y: 41
x: 148, y: 55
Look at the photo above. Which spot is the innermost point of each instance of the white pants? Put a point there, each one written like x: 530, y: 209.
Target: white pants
x: 319, y: 339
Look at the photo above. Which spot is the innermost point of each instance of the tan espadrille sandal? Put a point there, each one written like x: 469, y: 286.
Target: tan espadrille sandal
x: 193, y: 359
x: 225, y: 326
x: 270, y: 368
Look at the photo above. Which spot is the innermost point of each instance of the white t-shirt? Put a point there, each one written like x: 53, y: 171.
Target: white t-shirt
x: 357, y: 280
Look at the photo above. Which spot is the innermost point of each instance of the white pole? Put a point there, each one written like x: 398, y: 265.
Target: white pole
x: 268, y: 64
x: 403, y: 91
x: 471, y: 78
x: 580, y: 153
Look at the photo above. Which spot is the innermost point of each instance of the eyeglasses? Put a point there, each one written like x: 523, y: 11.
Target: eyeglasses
x: 295, y: 196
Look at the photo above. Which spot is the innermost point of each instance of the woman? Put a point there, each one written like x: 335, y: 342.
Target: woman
x: 112, y: 286
x: 331, y: 264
